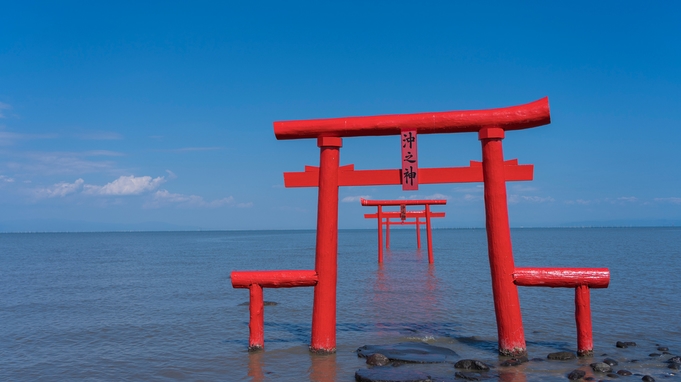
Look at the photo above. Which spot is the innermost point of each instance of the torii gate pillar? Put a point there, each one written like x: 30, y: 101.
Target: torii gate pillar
x: 506, y: 301
x: 326, y: 253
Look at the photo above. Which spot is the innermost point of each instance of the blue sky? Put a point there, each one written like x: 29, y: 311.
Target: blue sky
x: 159, y: 115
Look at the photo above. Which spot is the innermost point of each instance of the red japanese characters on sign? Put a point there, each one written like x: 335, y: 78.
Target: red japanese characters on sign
x: 410, y: 163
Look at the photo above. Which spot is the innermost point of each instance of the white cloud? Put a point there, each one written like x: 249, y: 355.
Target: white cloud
x: 4, y: 106
x: 354, y: 199
x: 6, y: 179
x: 668, y: 200
x: 100, y: 136
x: 165, y: 197
x: 529, y: 199
x: 126, y: 185
x: 52, y: 163
x: 582, y: 202
x: 59, y: 189
x: 8, y: 138
x: 469, y: 190
x: 630, y: 199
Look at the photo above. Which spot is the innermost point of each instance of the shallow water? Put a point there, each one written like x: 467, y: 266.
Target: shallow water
x: 159, y: 306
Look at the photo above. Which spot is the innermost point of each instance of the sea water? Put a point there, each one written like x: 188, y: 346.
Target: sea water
x: 159, y: 306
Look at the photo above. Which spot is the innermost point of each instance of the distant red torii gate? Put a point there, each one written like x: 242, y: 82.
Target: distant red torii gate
x: 403, y: 214
x: 491, y: 126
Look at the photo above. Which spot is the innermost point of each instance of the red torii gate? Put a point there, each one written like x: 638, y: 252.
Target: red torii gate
x: 403, y: 214
x: 491, y: 126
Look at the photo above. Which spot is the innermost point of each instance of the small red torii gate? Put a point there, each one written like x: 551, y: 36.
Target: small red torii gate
x: 491, y: 126
x: 403, y: 214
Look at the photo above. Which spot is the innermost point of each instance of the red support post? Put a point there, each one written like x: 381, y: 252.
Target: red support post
x: 506, y: 301
x: 380, y: 235
x: 256, y: 324
x: 585, y: 343
x: 326, y: 254
x: 429, y: 235
x: 387, y: 233
x: 418, y: 234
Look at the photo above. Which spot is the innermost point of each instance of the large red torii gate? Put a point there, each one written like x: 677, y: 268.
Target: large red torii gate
x: 491, y: 126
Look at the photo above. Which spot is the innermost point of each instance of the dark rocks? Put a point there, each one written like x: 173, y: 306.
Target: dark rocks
x: 610, y: 361
x: 654, y: 354
x: 675, y: 359
x: 377, y: 359
x: 662, y: 348
x: 621, y: 344
x: 515, y: 361
x: 675, y: 366
x: 468, y: 376
x: 601, y: 367
x: 647, y: 378
x: 576, y: 374
x: 471, y: 364
x: 389, y: 374
x: 624, y: 373
x: 410, y: 352
x: 612, y: 375
x: 561, y: 355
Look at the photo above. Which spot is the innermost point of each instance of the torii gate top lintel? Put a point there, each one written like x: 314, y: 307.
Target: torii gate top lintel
x: 518, y: 117
x: 399, y: 202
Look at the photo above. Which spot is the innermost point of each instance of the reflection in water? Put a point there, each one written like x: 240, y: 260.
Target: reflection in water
x: 405, y: 290
x: 255, y: 361
x: 323, y: 367
x: 512, y: 376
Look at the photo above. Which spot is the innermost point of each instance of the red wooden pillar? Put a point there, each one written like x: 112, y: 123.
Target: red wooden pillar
x: 387, y: 233
x: 418, y: 233
x: 256, y: 324
x: 380, y: 235
x: 326, y: 257
x: 506, y: 301
x: 585, y: 343
x: 429, y: 235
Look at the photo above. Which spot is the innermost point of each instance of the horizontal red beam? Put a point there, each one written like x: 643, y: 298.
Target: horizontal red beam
x: 562, y: 277
x: 410, y: 214
x: 274, y: 279
x: 405, y: 202
x: 348, y: 176
x: 532, y: 114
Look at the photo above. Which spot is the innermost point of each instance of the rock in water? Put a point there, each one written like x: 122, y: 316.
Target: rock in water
x: 390, y: 374
x: 647, y: 378
x: 610, y: 361
x: 612, y: 375
x: 621, y: 344
x: 662, y: 348
x: 576, y: 374
x: 601, y: 367
x: 471, y: 364
x: 377, y: 359
x: 624, y: 373
x: 515, y: 361
x: 411, y: 352
x: 561, y: 355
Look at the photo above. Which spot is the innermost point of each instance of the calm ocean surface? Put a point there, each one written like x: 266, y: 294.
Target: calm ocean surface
x: 160, y: 306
